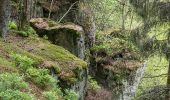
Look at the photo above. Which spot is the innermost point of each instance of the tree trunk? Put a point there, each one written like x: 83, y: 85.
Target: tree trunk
x: 168, y: 83
x: 168, y: 78
x: 87, y: 22
x: 123, y: 15
x: 4, y: 16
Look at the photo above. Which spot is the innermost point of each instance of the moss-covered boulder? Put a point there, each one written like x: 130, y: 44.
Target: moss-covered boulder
x: 45, y: 55
x: 116, y: 64
x: 68, y: 35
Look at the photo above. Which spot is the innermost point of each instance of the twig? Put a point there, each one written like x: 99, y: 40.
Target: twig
x: 156, y: 76
x: 50, y: 9
x: 67, y: 12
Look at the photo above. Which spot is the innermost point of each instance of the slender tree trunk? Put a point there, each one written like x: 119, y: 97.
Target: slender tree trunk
x: 123, y: 15
x: 4, y: 16
x: 22, y: 14
x: 168, y: 83
x: 168, y: 78
x: 49, y: 15
x: 87, y: 22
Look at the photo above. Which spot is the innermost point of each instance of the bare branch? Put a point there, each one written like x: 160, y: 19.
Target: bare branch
x: 50, y: 9
x: 161, y: 75
x: 67, y: 11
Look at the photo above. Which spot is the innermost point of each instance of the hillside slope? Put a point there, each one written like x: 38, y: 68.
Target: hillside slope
x: 33, y: 61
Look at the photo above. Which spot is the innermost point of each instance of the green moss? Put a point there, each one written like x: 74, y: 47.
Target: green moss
x: 59, y: 54
x: 6, y: 65
x: 51, y: 23
x: 10, y: 49
x: 41, y: 51
x: 5, y: 62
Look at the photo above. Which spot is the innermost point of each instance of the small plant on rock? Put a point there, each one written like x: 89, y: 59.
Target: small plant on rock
x: 70, y: 95
x: 92, y: 84
x: 12, y: 25
x: 55, y: 94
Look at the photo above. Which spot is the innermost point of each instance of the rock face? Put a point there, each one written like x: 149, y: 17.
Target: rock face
x: 79, y: 13
x: 131, y: 83
x: 70, y: 70
x: 69, y: 35
x: 123, y: 82
x: 80, y: 86
x: 117, y: 67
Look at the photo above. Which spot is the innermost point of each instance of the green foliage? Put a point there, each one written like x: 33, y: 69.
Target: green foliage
x: 156, y: 66
x: 29, y: 30
x: 50, y: 95
x: 11, y: 81
x: 14, y: 95
x: 12, y: 25
x: 108, y: 14
x: 41, y: 77
x: 45, y: 37
x: 53, y: 94
x: 21, y: 33
x: 70, y: 95
x: 5, y: 62
x: 112, y: 45
x: 159, y: 31
x: 92, y: 84
x: 23, y: 62
x: 100, y: 47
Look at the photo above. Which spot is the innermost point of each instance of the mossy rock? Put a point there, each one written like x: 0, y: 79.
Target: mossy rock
x: 44, y: 54
x: 114, y: 55
x: 67, y: 35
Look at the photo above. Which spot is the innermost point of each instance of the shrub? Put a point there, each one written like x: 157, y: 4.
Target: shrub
x: 92, y: 84
x: 23, y: 62
x: 14, y: 95
x: 53, y: 94
x: 12, y: 25
x: 29, y: 30
x: 22, y: 33
x: 50, y: 95
x: 41, y: 77
x: 70, y: 95
x: 11, y: 81
x: 45, y: 37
